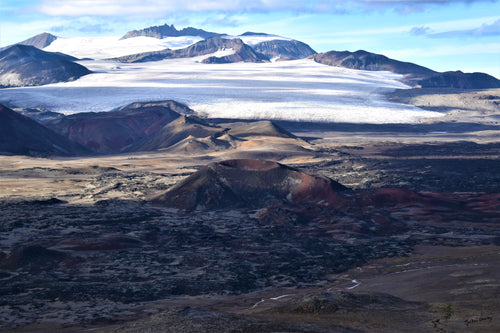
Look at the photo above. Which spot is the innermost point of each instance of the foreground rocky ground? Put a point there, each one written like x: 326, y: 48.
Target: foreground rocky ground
x: 82, y: 247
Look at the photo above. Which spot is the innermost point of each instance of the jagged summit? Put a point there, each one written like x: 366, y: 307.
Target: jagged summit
x: 166, y: 30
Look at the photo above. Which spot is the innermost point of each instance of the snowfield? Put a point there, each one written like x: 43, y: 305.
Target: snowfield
x: 290, y: 90
x: 112, y: 47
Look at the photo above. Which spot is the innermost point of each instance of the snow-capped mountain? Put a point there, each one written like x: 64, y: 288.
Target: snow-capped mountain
x: 227, y: 77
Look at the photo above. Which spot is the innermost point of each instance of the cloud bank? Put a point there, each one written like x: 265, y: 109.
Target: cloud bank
x: 485, y: 30
x: 158, y: 8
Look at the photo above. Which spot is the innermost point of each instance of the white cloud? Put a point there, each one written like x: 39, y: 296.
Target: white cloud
x: 444, y: 50
x: 158, y: 8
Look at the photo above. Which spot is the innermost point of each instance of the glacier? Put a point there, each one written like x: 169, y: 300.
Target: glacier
x: 300, y: 90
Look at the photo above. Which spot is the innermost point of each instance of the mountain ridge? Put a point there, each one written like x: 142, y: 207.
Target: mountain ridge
x: 166, y: 30
x: 20, y: 135
x: 26, y: 65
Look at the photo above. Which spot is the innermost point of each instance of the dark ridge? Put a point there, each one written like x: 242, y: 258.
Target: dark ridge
x: 460, y: 80
x: 24, y: 65
x: 166, y: 30
x: 374, y: 62
x: 211, y: 45
x: 110, y: 132
x: 284, y: 49
x: 20, y: 135
x: 40, y: 41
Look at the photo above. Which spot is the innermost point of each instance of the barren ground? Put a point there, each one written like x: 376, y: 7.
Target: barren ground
x: 103, y: 259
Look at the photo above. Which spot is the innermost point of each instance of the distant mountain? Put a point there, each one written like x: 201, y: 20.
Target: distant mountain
x: 111, y: 132
x: 152, y: 126
x: 250, y: 33
x: 284, y: 49
x: 242, y: 52
x: 248, y: 183
x: 25, y: 65
x: 40, y: 41
x: 374, y: 62
x: 460, y: 80
x: 166, y: 30
x: 21, y: 135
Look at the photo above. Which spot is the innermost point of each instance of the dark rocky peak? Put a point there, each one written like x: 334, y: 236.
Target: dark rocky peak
x: 40, y: 41
x: 28, y: 53
x: 248, y: 183
x: 166, y: 30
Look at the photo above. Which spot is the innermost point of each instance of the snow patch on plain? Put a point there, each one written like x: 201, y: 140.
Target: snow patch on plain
x: 292, y: 90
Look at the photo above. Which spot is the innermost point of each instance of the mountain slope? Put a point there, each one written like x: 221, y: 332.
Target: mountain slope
x: 460, y: 80
x: 166, y: 30
x: 21, y: 135
x: 242, y: 52
x: 40, y: 41
x: 373, y: 62
x: 180, y: 129
x: 110, y: 132
x: 24, y: 65
x: 284, y: 49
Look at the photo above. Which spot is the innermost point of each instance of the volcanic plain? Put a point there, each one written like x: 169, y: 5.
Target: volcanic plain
x: 400, y: 233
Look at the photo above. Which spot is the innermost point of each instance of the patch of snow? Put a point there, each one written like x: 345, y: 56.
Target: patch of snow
x: 356, y: 284
x: 280, y: 297
x: 218, y: 54
x: 255, y: 305
x: 291, y: 90
x: 110, y: 47
x: 11, y: 78
x: 253, y: 40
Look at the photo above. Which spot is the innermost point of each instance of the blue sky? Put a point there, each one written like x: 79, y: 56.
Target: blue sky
x: 440, y: 34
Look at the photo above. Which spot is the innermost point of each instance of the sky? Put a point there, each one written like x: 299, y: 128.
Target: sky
x: 443, y: 35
